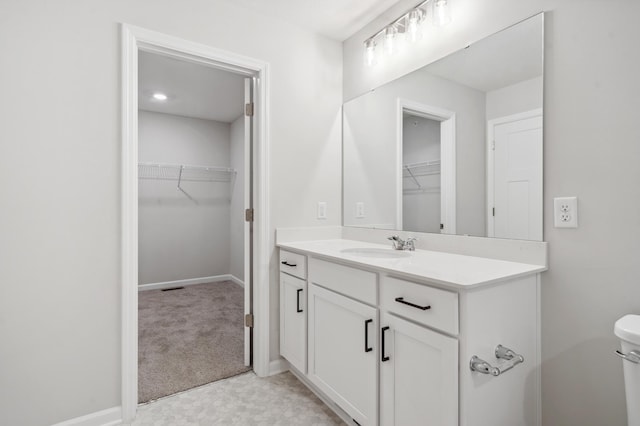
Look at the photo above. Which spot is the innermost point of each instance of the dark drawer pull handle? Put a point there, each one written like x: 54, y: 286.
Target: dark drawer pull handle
x: 366, y: 335
x: 384, y: 358
x: 413, y: 305
x: 286, y: 263
x: 298, y: 291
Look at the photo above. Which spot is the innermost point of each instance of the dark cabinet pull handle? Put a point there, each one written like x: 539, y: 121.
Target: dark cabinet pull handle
x: 366, y: 335
x: 298, y: 291
x: 286, y: 263
x: 413, y: 305
x: 384, y: 358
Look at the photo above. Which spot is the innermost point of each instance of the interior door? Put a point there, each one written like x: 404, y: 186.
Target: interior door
x: 248, y: 224
x: 517, y: 177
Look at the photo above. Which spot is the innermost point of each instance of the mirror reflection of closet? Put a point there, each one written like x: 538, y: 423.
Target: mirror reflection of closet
x: 421, y: 173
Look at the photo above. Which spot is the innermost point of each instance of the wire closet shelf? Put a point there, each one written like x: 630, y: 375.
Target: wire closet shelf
x: 415, y: 170
x: 185, y: 173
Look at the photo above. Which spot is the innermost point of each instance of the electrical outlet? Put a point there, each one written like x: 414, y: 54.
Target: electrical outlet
x: 322, y: 210
x: 565, y: 212
x: 360, y: 210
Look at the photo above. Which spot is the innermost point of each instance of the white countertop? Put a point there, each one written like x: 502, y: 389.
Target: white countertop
x: 451, y: 270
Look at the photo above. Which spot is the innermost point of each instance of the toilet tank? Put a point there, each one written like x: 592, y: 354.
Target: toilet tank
x: 627, y: 329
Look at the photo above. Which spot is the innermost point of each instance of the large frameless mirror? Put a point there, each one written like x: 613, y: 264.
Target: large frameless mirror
x: 454, y: 147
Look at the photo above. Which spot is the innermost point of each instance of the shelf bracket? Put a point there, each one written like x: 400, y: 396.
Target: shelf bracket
x: 180, y: 188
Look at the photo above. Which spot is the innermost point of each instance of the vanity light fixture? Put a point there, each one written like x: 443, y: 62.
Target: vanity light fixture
x: 409, y: 25
x: 160, y: 96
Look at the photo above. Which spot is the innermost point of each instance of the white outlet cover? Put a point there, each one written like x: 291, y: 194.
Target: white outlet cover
x: 565, y: 212
x: 359, y: 210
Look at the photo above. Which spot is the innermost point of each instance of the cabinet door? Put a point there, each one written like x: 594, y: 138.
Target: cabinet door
x: 293, y: 321
x: 343, y: 355
x: 418, y: 375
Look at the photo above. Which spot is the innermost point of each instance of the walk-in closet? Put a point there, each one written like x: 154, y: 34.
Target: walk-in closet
x: 191, y: 229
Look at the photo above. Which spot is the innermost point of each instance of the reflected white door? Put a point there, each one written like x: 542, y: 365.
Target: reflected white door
x: 517, y: 177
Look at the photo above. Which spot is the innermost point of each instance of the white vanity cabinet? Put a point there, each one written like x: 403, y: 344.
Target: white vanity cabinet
x: 395, y: 350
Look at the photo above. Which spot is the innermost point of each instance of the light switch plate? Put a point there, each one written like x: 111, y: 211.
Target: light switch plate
x: 322, y: 210
x: 565, y: 212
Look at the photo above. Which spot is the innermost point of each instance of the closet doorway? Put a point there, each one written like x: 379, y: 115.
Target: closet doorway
x: 178, y: 188
x: 426, y: 182
x: 193, y: 154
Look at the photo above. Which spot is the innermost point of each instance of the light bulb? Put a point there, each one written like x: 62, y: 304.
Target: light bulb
x: 413, y: 22
x: 159, y: 96
x: 370, y: 52
x: 389, y: 39
x: 441, y: 12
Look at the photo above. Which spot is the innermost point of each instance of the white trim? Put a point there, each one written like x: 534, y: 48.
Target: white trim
x: 278, y: 366
x: 108, y: 417
x: 235, y: 280
x: 538, y: 374
x: 447, y: 121
x: 491, y: 124
x: 134, y: 39
x: 190, y: 281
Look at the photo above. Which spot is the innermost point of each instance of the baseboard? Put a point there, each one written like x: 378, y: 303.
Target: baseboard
x: 189, y: 281
x: 325, y: 399
x: 108, y: 417
x: 236, y: 280
x: 278, y: 366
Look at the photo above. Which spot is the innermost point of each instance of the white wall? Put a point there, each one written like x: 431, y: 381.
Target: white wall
x: 520, y: 97
x: 236, y: 242
x: 591, y: 99
x: 420, y: 142
x: 181, y: 238
x: 60, y: 168
x: 370, y: 152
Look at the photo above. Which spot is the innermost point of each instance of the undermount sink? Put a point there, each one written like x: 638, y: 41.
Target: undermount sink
x: 376, y: 252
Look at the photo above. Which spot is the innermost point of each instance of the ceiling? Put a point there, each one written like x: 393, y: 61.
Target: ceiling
x: 505, y: 58
x: 336, y: 19
x: 194, y: 90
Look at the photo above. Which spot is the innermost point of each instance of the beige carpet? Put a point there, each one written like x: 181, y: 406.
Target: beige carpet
x: 189, y: 337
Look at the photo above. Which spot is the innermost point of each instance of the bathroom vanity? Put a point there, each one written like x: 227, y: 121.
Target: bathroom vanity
x: 389, y: 336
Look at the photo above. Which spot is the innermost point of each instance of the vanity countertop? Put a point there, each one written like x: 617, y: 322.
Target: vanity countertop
x: 447, y: 269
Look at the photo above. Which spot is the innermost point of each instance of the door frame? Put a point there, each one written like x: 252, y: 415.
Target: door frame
x: 134, y: 39
x: 491, y: 125
x: 447, y: 121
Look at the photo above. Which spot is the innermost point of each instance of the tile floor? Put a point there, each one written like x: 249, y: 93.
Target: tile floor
x: 241, y: 400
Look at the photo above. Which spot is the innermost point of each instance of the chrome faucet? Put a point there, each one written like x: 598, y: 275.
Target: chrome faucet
x: 400, y: 244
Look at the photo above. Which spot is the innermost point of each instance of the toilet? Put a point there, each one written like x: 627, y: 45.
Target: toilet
x: 627, y: 329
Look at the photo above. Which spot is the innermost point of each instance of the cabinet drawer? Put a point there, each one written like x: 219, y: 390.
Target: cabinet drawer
x: 293, y: 263
x: 352, y: 282
x: 407, y: 299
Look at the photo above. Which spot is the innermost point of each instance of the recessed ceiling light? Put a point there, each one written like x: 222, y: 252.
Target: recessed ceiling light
x: 159, y: 96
